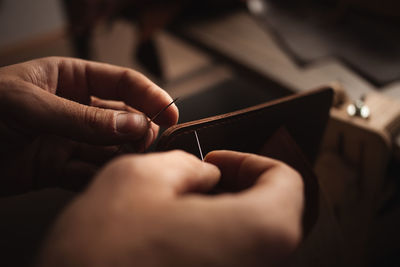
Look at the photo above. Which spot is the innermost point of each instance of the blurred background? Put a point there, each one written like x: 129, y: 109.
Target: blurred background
x: 217, y: 56
x: 296, y: 44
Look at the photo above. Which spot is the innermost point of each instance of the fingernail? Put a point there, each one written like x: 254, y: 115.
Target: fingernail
x: 131, y: 123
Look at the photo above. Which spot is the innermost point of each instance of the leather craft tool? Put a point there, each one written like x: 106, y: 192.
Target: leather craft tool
x: 198, y: 144
x: 164, y: 109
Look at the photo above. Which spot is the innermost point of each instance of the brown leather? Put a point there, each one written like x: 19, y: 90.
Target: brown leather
x: 281, y: 146
x: 304, y: 116
x: 289, y: 129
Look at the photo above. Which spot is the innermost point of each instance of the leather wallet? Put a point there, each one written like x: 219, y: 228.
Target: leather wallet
x: 288, y: 129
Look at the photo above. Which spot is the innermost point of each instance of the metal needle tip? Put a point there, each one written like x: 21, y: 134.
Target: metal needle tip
x: 162, y: 110
x: 198, y: 144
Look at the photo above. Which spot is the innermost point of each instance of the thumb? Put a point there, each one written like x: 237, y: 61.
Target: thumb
x: 41, y: 111
x: 98, y: 125
x: 177, y: 173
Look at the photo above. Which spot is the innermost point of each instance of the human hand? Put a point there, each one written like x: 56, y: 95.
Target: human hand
x: 149, y: 211
x: 58, y: 123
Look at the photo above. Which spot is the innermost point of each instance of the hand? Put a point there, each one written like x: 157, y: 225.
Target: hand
x: 51, y: 109
x: 149, y: 211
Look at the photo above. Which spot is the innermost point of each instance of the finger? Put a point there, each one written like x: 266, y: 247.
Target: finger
x: 276, y: 196
x: 173, y: 173
x: 110, y: 104
x: 81, y: 79
x: 183, y: 172
x: 239, y: 170
x: 258, y: 174
x: 140, y: 146
x: 49, y: 113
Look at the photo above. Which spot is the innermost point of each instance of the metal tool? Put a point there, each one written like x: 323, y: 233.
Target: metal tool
x: 198, y: 144
x: 164, y: 109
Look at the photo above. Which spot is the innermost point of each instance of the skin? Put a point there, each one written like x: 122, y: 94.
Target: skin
x: 59, y: 121
x: 136, y: 215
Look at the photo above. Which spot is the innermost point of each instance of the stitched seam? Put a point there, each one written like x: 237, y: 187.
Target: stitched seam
x: 240, y: 116
x: 224, y: 122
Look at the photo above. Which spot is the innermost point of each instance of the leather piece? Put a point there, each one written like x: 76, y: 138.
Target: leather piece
x: 288, y: 129
x: 303, y: 115
x: 281, y: 146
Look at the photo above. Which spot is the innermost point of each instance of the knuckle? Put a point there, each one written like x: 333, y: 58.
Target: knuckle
x: 90, y: 115
x: 295, y: 178
x: 98, y: 118
x: 290, y: 173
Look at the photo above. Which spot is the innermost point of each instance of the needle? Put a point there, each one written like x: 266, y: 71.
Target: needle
x: 198, y: 144
x: 162, y: 110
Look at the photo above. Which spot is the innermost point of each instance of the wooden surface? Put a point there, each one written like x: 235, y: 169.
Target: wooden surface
x: 240, y: 38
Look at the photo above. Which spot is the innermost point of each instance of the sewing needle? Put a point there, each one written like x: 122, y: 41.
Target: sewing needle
x: 162, y: 110
x: 198, y: 144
